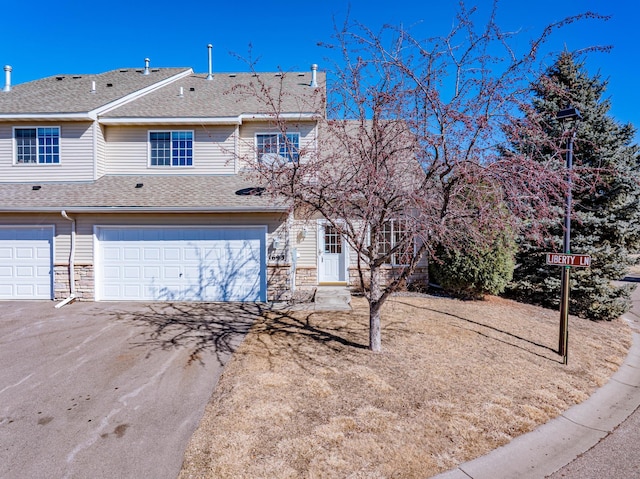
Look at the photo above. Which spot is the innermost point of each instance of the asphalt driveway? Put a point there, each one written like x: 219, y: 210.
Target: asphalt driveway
x: 97, y: 390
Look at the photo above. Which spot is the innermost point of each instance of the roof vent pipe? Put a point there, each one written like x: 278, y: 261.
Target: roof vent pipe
x: 210, y: 75
x: 93, y: 87
x: 7, y: 78
x: 314, y: 72
x: 146, y: 66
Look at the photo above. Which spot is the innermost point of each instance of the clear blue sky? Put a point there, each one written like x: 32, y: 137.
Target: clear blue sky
x: 40, y: 38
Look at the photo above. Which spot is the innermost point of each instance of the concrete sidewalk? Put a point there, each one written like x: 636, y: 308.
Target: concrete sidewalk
x: 557, y: 443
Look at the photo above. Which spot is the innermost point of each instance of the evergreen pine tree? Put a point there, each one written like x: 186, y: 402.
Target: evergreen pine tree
x: 606, y: 199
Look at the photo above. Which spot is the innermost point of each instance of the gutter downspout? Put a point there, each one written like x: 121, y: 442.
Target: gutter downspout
x: 72, y: 253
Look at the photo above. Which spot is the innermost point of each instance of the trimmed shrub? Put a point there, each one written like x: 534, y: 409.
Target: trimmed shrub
x: 477, y: 270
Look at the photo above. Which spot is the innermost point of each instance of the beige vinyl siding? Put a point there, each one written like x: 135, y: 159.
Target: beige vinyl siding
x: 248, y: 131
x: 306, y: 244
x: 127, y: 150
x: 76, y: 155
x: 101, y: 152
x: 86, y: 222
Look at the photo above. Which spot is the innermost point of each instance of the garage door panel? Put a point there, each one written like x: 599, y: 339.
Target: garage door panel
x: 194, y: 254
x: 25, y: 290
x: 132, y: 272
x: 111, y: 272
x: 111, y: 290
x: 131, y: 254
x: 193, y: 272
x: 26, y: 262
x: 24, y: 253
x: 186, y: 264
x: 152, y: 254
x: 25, y: 272
x: 110, y: 253
x: 172, y: 272
x: 43, y: 271
x: 151, y: 272
x: 132, y: 291
x: 171, y: 254
x: 213, y: 253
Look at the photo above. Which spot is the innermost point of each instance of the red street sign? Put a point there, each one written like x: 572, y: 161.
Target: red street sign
x: 561, y: 259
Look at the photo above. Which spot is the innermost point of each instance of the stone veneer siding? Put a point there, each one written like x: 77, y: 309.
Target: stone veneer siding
x: 84, y: 282
x: 306, y: 276
x: 278, y: 282
x: 419, y: 277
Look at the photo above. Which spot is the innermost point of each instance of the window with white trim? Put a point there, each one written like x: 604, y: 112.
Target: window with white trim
x: 171, y: 148
x: 276, y: 146
x: 394, y: 233
x: 40, y: 145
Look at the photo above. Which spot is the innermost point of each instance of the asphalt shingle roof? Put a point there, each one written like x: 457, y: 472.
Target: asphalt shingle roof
x: 226, y: 95
x: 197, y: 193
x: 72, y: 93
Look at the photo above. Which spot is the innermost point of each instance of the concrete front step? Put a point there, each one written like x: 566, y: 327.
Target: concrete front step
x: 332, y: 298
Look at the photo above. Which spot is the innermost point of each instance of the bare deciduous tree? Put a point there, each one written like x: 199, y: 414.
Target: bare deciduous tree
x: 409, y: 152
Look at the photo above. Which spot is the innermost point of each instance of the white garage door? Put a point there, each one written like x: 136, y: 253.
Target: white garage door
x: 25, y: 262
x: 181, y: 264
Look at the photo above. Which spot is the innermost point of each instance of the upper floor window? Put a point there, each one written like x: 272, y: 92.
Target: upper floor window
x: 37, y: 145
x: 171, y: 148
x: 274, y: 146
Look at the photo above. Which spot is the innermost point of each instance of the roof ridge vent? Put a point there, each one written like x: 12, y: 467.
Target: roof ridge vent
x: 7, y: 78
x: 146, y: 66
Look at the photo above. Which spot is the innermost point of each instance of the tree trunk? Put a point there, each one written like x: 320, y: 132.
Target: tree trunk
x: 374, y: 312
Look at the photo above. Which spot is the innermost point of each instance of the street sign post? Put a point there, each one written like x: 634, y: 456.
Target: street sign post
x: 574, y: 260
x: 568, y: 261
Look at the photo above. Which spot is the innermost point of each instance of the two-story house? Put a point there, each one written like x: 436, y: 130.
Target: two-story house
x: 128, y: 185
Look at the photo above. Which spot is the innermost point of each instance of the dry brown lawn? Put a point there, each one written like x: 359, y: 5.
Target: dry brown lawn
x: 304, y: 398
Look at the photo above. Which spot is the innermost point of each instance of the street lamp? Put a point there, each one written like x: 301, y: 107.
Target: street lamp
x: 565, y: 115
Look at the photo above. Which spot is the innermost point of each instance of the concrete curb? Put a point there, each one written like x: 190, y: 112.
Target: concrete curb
x: 555, y: 444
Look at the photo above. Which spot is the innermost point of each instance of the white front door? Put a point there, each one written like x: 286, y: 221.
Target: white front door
x: 331, y: 255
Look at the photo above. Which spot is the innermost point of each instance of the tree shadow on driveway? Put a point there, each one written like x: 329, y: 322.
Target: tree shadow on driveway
x: 219, y: 328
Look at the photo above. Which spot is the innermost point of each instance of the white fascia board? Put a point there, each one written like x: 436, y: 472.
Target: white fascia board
x: 232, y: 120
x: 137, y: 94
x: 284, y: 116
x: 146, y: 209
x: 228, y: 120
x: 82, y: 116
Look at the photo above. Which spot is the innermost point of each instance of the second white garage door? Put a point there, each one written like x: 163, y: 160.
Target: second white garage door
x: 181, y: 264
